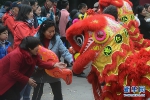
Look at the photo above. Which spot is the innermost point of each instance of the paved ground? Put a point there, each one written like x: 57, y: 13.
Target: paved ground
x: 80, y: 89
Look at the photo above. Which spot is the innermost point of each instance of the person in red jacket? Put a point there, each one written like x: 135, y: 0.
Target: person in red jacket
x: 9, y: 18
x: 24, y: 24
x: 18, y: 66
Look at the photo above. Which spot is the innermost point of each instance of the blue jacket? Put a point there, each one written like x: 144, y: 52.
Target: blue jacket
x: 3, y: 51
x: 57, y: 46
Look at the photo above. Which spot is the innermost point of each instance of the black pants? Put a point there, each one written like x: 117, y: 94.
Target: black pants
x: 56, y: 89
x: 12, y: 94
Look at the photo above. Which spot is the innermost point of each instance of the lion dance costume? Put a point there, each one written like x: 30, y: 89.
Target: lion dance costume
x: 108, y: 45
x: 126, y: 16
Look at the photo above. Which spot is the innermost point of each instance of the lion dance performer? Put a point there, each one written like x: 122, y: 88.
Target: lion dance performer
x: 104, y: 42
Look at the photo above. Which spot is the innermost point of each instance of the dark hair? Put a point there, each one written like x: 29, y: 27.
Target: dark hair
x: 146, y: 5
x: 43, y: 27
x: 32, y: 2
x: 16, y: 4
x: 2, y: 28
x: 112, y: 10
x: 8, y: 4
x: 25, y: 2
x: 73, y: 13
x: 82, y: 5
x: 139, y: 9
x: 64, y: 3
x: 29, y: 42
x: 22, y: 14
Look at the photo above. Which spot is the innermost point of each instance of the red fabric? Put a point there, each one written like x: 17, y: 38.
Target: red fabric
x: 142, y: 2
x: 9, y: 21
x: 10, y: 49
x: 17, y: 67
x: 105, y: 3
x: 46, y: 42
x: 22, y: 30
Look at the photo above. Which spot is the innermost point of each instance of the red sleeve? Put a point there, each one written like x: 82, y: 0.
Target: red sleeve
x: 15, y: 64
x: 44, y: 64
x: 22, y: 31
x: 10, y: 22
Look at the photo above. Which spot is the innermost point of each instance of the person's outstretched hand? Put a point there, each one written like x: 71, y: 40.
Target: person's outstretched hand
x: 32, y: 82
x: 60, y: 65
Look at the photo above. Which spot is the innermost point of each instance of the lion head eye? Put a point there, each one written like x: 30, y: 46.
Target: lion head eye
x: 79, y: 39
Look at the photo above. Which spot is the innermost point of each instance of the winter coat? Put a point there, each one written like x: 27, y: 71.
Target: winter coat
x: 35, y: 21
x: 17, y: 67
x: 44, y: 11
x: 22, y: 30
x: 57, y: 46
x: 64, y: 19
x: 144, y: 27
x: 3, y: 49
x: 9, y: 21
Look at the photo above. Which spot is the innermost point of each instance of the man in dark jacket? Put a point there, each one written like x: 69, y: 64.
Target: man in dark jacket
x: 144, y: 26
x: 50, y: 10
x: 82, y: 10
x: 45, y: 10
x: 34, y: 5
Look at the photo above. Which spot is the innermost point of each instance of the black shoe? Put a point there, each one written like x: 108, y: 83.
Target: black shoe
x: 82, y: 75
x: 75, y: 74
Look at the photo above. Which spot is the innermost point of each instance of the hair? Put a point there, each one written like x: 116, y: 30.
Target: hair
x: 16, y: 4
x: 112, y: 10
x: 82, y: 5
x: 8, y: 4
x: 22, y: 14
x: 2, y: 28
x: 139, y: 9
x: 146, y: 5
x: 43, y: 27
x: 32, y: 2
x: 25, y: 2
x: 64, y: 3
x: 29, y: 42
x: 73, y: 13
